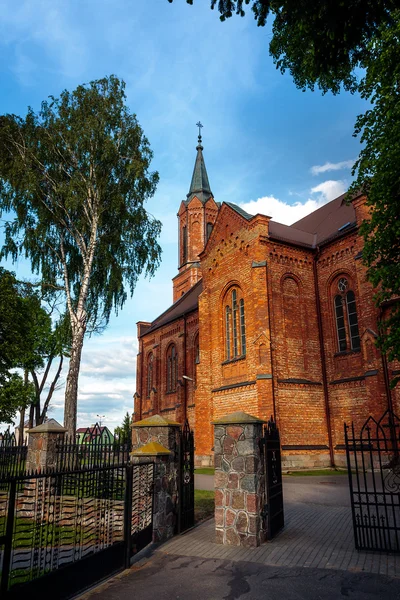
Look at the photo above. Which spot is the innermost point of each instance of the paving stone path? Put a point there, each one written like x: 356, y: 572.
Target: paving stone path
x: 318, y: 534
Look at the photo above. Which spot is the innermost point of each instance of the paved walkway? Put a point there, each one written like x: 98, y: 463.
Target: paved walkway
x: 316, y: 546
x: 318, y: 533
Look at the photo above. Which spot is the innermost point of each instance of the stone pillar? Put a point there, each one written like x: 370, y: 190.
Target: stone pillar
x: 157, y: 439
x: 239, y: 480
x: 42, y: 446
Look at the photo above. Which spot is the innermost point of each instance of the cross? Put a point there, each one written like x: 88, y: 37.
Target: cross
x: 200, y: 126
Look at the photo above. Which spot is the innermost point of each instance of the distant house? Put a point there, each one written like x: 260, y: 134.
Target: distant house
x: 94, y: 434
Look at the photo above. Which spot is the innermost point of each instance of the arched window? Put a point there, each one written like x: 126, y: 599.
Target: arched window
x: 353, y: 320
x: 149, y: 373
x: 209, y: 230
x: 235, y: 326
x: 346, y: 317
x: 172, y: 368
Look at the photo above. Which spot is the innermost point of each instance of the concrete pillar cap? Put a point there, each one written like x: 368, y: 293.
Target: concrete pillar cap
x: 51, y: 426
x: 155, y: 421
x: 151, y: 449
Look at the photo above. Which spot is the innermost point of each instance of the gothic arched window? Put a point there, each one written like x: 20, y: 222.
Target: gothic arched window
x: 346, y: 317
x: 235, y: 326
x: 209, y: 230
x: 172, y: 368
x: 149, y: 373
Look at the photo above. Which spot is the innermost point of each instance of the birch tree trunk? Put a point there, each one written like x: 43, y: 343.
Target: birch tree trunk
x: 71, y: 388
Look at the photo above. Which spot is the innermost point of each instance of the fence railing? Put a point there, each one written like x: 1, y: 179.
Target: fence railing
x: 92, y: 447
x: 65, y: 530
x: 373, y: 459
x: 12, y: 456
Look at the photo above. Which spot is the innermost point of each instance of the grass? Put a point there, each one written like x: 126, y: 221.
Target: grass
x: 204, y: 504
x: 204, y: 471
x: 316, y: 473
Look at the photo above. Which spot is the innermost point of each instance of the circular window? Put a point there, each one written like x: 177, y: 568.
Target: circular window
x: 342, y: 284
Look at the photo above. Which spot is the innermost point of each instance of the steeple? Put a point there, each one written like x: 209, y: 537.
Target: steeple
x: 200, y: 185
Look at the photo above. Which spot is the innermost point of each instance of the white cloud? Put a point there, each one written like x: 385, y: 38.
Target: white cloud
x: 283, y: 212
x: 329, y: 190
x: 328, y: 166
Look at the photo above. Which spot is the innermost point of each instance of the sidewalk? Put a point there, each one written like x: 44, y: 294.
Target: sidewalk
x: 312, y: 558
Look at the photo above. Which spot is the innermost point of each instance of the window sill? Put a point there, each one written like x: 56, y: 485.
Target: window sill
x: 233, y: 360
x: 347, y: 352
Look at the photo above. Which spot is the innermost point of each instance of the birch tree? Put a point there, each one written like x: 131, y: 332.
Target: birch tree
x: 75, y: 177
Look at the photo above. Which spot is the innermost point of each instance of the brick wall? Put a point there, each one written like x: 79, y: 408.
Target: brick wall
x: 282, y: 371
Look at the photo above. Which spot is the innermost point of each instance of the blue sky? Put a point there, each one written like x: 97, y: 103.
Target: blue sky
x: 267, y: 146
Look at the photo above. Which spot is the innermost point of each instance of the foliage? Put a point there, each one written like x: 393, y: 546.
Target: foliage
x: 379, y: 176
x: 123, y: 433
x: 327, y: 44
x: 319, y: 42
x: 12, y: 320
x: 76, y: 176
x: 15, y: 394
x: 29, y: 342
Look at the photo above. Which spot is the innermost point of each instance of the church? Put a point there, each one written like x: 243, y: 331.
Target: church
x: 269, y: 319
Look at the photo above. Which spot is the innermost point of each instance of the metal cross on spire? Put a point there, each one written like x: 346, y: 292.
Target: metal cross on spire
x: 200, y: 126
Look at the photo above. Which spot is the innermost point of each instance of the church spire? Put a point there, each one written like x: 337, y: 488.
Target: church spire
x: 200, y: 185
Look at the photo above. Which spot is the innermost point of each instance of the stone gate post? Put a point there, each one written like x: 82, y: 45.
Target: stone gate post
x: 239, y: 480
x: 157, y: 439
x: 42, y: 446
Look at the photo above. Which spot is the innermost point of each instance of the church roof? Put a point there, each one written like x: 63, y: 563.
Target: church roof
x: 185, y: 304
x: 200, y: 186
x: 324, y: 224
x: 240, y: 211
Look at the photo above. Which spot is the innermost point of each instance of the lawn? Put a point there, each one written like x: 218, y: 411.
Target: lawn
x: 204, y: 505
x: 204, y: 471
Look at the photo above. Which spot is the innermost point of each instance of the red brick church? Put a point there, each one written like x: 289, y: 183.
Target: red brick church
x: 269, y: 319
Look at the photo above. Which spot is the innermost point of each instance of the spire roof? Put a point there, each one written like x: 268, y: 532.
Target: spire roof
x: 200, y: 185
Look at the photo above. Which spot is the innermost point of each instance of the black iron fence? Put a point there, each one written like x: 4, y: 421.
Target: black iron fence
x: 91, y: 447
x: 272, y: 513
x: 186, y: 479
x: 66, y: 530
x: 373, y: 460
x: 12, y: 456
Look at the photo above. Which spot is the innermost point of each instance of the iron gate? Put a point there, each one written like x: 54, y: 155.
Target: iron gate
x: 272, y: 512
x: 186, y: 479
x: 67, y: 530
x: 373, y: 464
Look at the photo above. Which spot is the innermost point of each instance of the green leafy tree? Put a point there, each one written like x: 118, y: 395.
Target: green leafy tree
x: 18, y: 339
x: 29, y: 342
x: 76, y: 177
x: 15, y: 394
x: 52, y: 346
x: 355, y: 45
x: 379, y: 175
x: 123, y: 433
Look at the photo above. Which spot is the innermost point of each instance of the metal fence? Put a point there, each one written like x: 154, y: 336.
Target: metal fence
x: 12, y: 456
x: 94, y: 446
x: 373, y: 460
x: 66, y: 530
